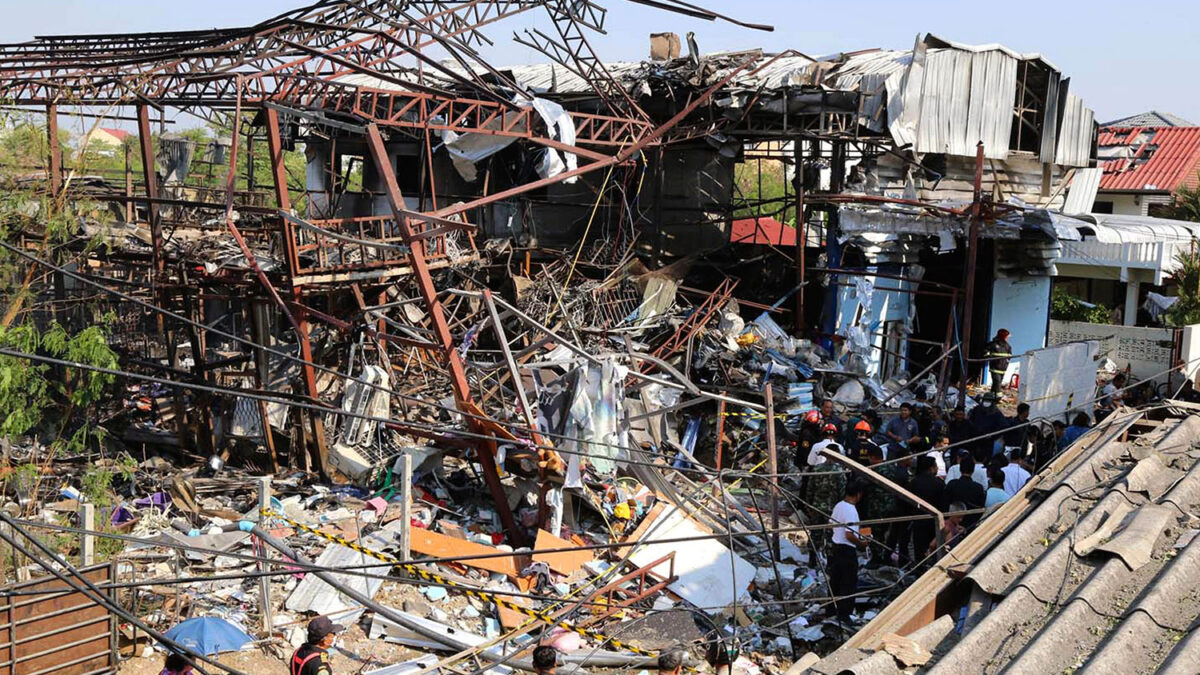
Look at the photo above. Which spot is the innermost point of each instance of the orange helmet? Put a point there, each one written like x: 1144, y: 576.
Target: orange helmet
x: 863, y: 425
x: 812, y: 417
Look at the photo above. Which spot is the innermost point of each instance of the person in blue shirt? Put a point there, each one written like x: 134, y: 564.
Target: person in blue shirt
x: 995, y: 492
x: 1079, y: 426
x: 902, y: 430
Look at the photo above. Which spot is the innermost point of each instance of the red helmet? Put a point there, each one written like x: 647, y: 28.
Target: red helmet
x: 812, y: 417
x: 863, y: 425
x: 829, y: 428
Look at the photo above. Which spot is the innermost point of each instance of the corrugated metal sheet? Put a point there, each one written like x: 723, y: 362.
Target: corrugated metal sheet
x: 1156, y: 159
x: 1082, y: 193
x: 1075, y: 135
x: 1108, y: 228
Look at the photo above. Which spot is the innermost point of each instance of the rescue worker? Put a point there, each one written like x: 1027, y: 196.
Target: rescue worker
x: 998, y: 351
x: 810, y: 432
x: 823, y: 487
x: 312, y: 658
x: 859, y: 449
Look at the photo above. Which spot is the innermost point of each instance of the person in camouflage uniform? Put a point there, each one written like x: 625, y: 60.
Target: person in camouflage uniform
x: 898, y: 535
x: 827, y: 480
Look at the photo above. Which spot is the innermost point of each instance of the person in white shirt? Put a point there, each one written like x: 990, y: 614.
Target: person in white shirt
x: 1112, y: 395
x: 979, y: 475
x: 1015, y: 475
x: 842, y: 569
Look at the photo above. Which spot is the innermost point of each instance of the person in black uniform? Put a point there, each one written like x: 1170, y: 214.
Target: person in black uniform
x: 998, y: 351
x: 312, y: 658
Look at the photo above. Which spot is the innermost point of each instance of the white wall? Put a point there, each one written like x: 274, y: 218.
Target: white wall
x: 1124, y: 204
x: 1132, y: 205
x: 1023, y: 307
x: 1146, y: 351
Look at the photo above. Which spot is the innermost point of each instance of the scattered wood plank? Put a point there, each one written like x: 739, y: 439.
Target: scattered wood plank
x: 564, y: 563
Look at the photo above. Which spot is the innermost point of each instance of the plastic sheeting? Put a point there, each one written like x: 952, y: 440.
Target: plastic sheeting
x: 468, y: 149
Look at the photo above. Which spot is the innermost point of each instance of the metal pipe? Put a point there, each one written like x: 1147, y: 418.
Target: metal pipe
x: 969, y: 280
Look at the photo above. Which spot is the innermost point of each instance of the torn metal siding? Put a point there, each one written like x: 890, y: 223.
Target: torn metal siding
x: 968, y: 97
x: 1082, y: 194
x: 1076, y: 133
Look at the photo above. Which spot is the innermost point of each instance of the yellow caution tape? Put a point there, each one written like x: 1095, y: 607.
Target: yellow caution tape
x: 471, y: 592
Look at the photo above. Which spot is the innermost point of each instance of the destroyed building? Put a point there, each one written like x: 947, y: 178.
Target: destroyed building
x: 509, y: 337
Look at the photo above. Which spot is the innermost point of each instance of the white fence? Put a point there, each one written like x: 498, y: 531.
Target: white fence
x: 1146, y: 351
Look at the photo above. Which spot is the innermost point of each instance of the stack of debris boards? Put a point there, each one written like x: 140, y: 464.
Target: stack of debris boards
x: 1099, y: 575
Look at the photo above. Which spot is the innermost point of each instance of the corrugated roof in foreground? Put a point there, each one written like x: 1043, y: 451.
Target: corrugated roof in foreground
x: 1098, y: 575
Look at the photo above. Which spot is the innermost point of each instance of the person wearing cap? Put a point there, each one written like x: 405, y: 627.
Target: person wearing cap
x: 859, y: 449
x: 998, y: 352
x: 312, y: 658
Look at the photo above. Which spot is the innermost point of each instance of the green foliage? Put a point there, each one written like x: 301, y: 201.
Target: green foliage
x: 1066, y: 307
x: 1186, y: 310
x: 97, y: 485
x: 1186, y: 205
x: 764, y: 186
x: 88, y: 346
x: 24, y: 477
x: 26, y: 391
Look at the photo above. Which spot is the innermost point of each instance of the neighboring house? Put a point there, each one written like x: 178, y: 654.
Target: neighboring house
x: 1144, y: 164
x: 1150, y: 118
x: 107, y: 140
x: 1128, y: 249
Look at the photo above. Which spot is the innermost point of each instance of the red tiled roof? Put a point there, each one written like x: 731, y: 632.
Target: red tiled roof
x: 1164, y: 158
x: 762, y: 230
x: 118, y: 134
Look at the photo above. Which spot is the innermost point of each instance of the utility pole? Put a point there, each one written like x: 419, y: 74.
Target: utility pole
x: 969, y: 280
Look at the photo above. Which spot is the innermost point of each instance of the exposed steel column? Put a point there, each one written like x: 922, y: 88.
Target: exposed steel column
x: 150, y: 177
x: 283, y: 200
x: 773, y: 469
x: 441, y: 329
x: 801, y: 235
x: 969, y: 282
x: 55, y: 168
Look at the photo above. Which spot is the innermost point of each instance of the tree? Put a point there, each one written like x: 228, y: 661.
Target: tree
x: 1066, y: 307
x: 1186, y: 204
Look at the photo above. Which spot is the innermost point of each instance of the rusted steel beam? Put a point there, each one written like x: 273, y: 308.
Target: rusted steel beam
x: 441, y: 329
x: 55, y: 151
x: 150, y: 180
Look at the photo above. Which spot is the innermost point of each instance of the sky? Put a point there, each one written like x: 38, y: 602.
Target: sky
x: 1122, y: 58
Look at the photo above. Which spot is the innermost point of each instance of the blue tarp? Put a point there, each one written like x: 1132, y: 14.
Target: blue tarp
x: 209, y: 635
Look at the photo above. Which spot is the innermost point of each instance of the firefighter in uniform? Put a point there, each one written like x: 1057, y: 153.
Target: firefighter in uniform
x: 312, y: 658
x: 998, y: 352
